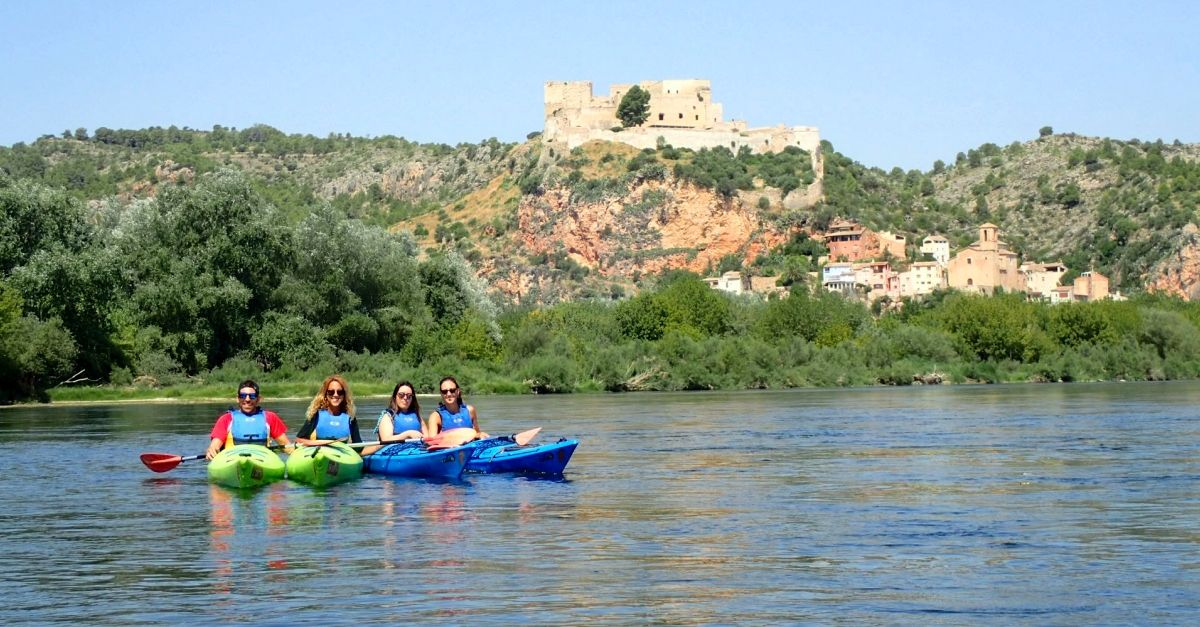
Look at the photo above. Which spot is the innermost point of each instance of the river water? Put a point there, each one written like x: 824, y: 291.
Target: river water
x: 1036, y: 504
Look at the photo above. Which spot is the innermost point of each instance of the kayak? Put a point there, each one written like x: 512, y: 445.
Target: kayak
x: 325, y: 465
x: 414, y: 459
x: 245, y: 466
x: 504, y: 455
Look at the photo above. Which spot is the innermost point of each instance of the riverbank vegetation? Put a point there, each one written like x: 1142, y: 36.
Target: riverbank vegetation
x: 185, y: 294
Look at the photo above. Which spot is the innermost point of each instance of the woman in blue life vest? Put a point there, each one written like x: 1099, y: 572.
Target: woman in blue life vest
x: 452, y: 412
x: 402, y: 418
x: 330, y: 415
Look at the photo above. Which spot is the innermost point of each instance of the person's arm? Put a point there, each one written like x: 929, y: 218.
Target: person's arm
x: 214, y: 447
x: 475, y: 422
x: 433, y: 426
x: 306, y: 430
x: 386, y: 427
x: 278, y: 431
x: 217, y: 435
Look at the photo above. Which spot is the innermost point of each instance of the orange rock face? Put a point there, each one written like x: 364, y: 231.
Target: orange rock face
x: 650, y: 228
x: 1179, y: 274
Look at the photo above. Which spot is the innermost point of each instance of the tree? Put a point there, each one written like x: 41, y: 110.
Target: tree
x: 1045, y: 131
x: 634, y: 107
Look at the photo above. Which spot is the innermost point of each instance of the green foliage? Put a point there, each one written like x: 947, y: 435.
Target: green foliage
x: 288, y: 339
x: 642, y: 317
x: 828, y: 316
x: 634, y: 107
x: 994, y: 328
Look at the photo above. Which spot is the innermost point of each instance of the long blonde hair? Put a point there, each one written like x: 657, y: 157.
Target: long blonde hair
x: 320, y: 402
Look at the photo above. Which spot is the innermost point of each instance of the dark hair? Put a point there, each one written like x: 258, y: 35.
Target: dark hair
x: 414, y: 407
x: 248, y: 383
x: 461, y: 400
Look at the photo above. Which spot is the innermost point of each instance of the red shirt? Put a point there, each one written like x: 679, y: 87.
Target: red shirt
x: 220, y: 431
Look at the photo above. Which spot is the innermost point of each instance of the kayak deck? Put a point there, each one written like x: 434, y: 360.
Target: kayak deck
x: 245, y: 466
x: 497, y: 455
x: 414, y: 459
x: 324, y: 465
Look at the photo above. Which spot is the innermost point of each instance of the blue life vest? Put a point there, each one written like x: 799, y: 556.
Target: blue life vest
x: 249, y: 429
x: 460, y: 420
x: 331, y: 427
x: 401, y: 421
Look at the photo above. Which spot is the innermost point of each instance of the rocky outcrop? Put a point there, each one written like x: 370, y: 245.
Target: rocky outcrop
x: 1179, y: 274
x: 652, y: 227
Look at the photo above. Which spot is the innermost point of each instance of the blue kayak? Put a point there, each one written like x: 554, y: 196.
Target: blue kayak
x: 504, y: 455
x: 414, y: 459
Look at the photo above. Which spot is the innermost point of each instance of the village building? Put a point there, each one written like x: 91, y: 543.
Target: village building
x: 985, y: 265
x: 937, y: 247
x: 1090, y: 286
x: 879, y: 279
x: 766, y: 285
x: 921, y: 278
x: 850, y: 241
x: 733, y: 282
x: 730, y: 282
x: 839, y: 277
x: 893, y: 245
x: 1060, y: 294
x: 1042, y: 278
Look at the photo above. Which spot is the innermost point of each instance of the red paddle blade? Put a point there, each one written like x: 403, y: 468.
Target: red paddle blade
x: 161, y: 462
x: 525, y: 437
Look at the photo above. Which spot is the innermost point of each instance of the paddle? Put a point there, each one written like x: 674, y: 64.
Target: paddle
x: 525, y: 437
x: 458, y: 437
x: 162, y: 462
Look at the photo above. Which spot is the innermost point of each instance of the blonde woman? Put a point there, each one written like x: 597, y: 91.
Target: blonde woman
x: 330, y: 415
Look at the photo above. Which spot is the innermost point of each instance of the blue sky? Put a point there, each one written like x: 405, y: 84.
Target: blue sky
x: 889, y: 83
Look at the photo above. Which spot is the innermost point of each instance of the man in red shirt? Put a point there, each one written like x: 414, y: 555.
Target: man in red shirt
x: 248, y: 424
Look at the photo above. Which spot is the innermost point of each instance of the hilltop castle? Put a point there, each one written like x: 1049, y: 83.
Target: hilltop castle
x: 682, y: 112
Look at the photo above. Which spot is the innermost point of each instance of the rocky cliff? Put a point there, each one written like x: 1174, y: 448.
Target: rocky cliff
x: 1179, y: 273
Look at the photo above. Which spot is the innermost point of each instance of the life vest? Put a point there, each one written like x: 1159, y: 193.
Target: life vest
x: 248, y: 428
x: 331, y: 427
x: 401, y: 421
x: 460, y: 420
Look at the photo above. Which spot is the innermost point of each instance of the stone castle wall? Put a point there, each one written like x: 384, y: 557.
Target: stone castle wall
x: 682, y: 112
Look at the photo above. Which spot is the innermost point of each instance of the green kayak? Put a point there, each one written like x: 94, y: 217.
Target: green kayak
x: 324, y: 465
x: 245, y: 466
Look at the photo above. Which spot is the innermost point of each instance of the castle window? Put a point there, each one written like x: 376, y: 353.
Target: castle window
x: 697, y: 118
x: 680, y: 116
x: 660, y: 117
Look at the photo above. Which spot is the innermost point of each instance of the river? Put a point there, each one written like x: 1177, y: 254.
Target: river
x: 1036, y: 504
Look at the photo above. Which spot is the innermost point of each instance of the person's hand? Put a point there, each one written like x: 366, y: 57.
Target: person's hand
x: 210, y: 453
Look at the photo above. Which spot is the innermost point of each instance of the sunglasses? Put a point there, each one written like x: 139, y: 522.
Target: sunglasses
x: 248, y: 395
x: 450, y: 391
x: 403, y: 395
x: 335, y: 392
